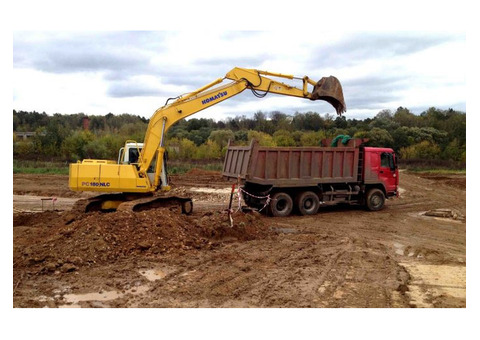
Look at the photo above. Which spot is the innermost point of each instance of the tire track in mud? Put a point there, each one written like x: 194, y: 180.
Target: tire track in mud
x: 291, y: 273
x: 363, y: 275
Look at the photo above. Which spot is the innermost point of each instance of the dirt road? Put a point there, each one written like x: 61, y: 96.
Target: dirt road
x: 341, y: 257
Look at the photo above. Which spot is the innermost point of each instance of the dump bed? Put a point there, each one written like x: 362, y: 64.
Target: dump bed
x: 294, y: 166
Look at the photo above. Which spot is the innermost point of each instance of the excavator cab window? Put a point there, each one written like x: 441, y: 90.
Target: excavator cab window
x: 133, y: 155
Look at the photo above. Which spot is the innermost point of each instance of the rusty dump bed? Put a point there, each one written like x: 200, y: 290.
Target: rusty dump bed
x: 294, y: 166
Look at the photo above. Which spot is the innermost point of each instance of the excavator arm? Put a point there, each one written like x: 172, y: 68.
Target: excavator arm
x: 328, y: 89
x: 108, y: 176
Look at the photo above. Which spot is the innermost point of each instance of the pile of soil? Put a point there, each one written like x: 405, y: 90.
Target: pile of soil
x: 457, y: 181
x: 34, y: 219
x: 55, y: 241
x: 197, y: 177
x: 44, y: 185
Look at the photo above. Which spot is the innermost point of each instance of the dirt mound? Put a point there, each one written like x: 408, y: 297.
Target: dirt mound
x: 64, y: 242
x: 457, y: 181
x: 196, y: 177
x: 200, y: 172
x: 34, y: 219
x: 43, y: 185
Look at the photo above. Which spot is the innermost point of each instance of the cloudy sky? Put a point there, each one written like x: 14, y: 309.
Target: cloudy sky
x: 136, y: 71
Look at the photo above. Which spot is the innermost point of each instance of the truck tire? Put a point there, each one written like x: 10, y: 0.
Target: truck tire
x: 281, y: 204
x: 187, y: 207
x: 375, y: 199
x: 307, y: 203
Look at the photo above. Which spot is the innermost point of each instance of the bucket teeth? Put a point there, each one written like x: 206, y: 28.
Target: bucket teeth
x: 330, y: 90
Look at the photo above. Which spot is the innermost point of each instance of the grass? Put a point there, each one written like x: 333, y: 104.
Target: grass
x: 434, y: 166
x: 39, y: 167
x: 61, y: 168
x: 178, y: 168
x: 439, y: 171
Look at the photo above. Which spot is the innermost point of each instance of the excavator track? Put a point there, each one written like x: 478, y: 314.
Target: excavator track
x: 132, y: 202
x: 184, y: 203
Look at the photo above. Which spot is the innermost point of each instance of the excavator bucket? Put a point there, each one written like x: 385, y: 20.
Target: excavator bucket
x: 330, y: 90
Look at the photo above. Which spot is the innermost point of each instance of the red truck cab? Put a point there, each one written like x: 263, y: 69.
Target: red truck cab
x: 381, y: 167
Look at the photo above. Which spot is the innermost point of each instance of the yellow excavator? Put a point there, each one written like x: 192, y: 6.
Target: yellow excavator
x: 135, y: 179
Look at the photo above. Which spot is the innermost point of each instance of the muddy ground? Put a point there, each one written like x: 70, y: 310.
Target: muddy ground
x: 342, y: 257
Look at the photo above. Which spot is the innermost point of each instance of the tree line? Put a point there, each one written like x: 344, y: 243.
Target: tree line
x: 434, y: 134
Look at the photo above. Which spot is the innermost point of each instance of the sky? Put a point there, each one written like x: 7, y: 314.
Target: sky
x: 98, y: 72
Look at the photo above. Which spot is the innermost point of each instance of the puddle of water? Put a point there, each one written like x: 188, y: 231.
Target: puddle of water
x: 103, y: 296
x: 398, y: 248
x: 212, y: 190
x: 74, y: 299
x: 188, y: 273
x: 435, y: 280
x: 285, y: 230
x: 153, y: 274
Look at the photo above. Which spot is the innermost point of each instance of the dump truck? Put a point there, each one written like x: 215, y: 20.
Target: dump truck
x: 138, y: 180
x: 302, y: 179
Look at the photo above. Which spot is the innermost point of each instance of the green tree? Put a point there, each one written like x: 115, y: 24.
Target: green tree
x: 187, y: 149
x: 280, y: 120
x: 312, y: 138
x: 404, y: 117
x: 422, y: 150
x: 74, y: 146
x: 209, y: 150
x: 283, y: 138
x: 221, y: 137
x: 263, y: 139
x: 384, y: 120
x: 377, y: 137
x: 241, y: 136
x: 454, y: 151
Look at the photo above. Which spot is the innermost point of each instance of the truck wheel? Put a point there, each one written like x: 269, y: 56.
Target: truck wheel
x: 375, y: 199
x: 307, y: 203
x: 281, y: 204
x: 187, y: 207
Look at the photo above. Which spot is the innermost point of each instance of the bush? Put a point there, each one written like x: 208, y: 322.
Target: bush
x: 312, y: 138
x: 209, y: 150
x: 283, y: 138
x: 422, y: 150
x: 74, y: 146
x: 377, y: 137
x: 263, y: 138
x: 221, y: 137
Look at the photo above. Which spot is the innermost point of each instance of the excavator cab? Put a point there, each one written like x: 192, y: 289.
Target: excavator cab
x: 129, y: 153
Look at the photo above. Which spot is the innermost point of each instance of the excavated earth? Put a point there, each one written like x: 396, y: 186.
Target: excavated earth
x: 342, y: 257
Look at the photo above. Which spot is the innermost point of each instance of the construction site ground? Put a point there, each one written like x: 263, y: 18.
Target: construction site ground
x: 344, y: 256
